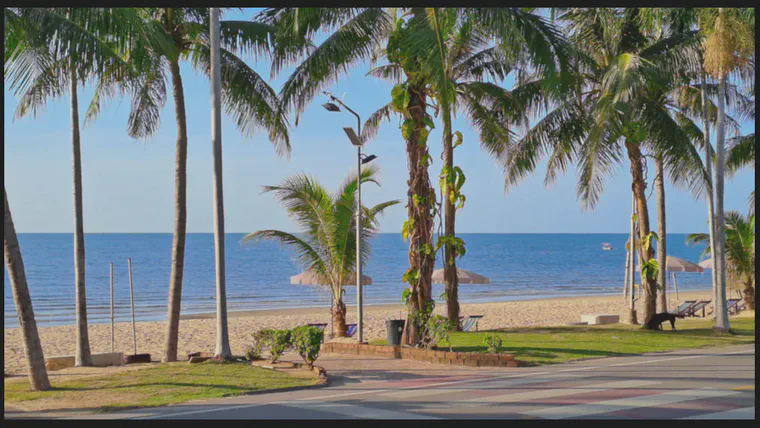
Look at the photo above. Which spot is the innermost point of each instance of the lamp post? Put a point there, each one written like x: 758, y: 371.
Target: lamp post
x: 360, y: 160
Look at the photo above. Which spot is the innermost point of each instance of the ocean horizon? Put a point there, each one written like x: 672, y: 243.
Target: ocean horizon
x: 519, y: 265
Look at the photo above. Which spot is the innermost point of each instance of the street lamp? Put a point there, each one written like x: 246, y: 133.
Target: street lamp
x: 353, y: 136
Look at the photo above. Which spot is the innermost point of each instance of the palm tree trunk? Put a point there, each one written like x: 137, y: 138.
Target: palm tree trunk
x: 222, y: 335
x: 83, y: 356
x: 662, y: 274
x: 450, y: 254
x: 35, y: 359
x: 420, y: 200
x: 339, y: 318
x: 180, y: 216
x: 649, y: 303
x: 749, y: 295
x: 721, y: 314
x: 710, y: 190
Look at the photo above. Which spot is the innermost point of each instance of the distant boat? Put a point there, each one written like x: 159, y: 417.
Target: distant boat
x: 606, y: 246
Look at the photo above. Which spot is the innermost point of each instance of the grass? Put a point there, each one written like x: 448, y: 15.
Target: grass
x: 158, y: 385
x: 551, y: 345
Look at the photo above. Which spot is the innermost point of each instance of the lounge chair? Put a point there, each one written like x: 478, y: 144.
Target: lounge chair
x: 320, y: 326
x: 471, y: 321
x: 700, y: 306
x: 350, y: 330
x: 684, y: 308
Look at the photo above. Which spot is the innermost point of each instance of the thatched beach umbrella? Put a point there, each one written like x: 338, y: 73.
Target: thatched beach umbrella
x: 464, y: 276
x: 311, y: 278
x: 706, y: 264
x: 675, y: 264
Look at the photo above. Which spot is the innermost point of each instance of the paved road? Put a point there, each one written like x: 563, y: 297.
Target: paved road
x: 716, y: 383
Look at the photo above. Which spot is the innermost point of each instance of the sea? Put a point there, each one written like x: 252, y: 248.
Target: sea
x: 519, y: 266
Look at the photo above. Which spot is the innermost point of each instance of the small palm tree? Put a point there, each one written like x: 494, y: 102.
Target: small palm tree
x: 740, y: 251
x: 327, y: 242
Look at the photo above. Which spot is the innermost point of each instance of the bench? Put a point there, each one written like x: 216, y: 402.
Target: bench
x: 598, y: 319
x: 98, y: 360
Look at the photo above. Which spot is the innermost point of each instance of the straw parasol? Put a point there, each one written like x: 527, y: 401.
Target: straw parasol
x: 675, y: 264
x: 706, y: 264
x: 311, y: 278
x: 465, y: 277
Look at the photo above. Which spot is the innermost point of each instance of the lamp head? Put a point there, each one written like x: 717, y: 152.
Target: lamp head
x: 331, y: 107
x: 368, y: 159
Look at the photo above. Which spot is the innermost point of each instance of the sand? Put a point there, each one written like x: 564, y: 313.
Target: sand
x: 197, y: 333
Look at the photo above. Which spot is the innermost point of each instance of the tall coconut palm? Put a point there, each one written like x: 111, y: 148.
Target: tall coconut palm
x: 222, y: 335
x: 618, y: 110
x: 730, y: 43
x: 57, y: 51
x: 740, y: 251
x: 326, y: 244
x: 168, y: 37
x: 468, y: 52
x: 35, y: 359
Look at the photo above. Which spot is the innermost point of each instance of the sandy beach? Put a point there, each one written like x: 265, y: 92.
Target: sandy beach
x: 197, y: 333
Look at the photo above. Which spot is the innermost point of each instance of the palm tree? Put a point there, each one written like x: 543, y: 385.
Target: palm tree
x: 730, y: 42
x: 326, y: 244
x: 35, y: 359
x: 619, y: 109
x: 740, y: 250
x: 166, y: 37
x: 53, y: 52
x: 463, y: 49
x: 222, y: 335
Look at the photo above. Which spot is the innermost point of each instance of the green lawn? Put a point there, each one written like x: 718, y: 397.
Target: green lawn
x: 549, y: 345
x: 154, y: 386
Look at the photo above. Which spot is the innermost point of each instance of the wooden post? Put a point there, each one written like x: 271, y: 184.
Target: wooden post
x: 112, y: 327
x: 675, y: 284
x: 132, y: 301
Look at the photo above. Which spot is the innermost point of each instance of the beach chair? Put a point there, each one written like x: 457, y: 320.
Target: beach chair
x: 684, y: 308
x: 320, y: 326
x: 470, y: 322
x: 700, y: 306
x: 350, y: 330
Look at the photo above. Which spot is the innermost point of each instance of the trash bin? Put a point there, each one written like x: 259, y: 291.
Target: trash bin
x: 395, y: 329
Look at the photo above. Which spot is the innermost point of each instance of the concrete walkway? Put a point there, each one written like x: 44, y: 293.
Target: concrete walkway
x: 705, y: 383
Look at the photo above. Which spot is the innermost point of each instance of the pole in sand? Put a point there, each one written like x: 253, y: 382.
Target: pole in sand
x: 132, y: 301
x: 112, y: 330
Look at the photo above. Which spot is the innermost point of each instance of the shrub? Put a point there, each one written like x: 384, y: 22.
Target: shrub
x: 437, y: 332
x: 278, y: 342
x: 492, y: 342
x: 307, y: 341
x: 261, y: 340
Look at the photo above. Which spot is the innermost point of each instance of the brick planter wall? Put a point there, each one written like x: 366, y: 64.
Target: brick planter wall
x: 469, y: 359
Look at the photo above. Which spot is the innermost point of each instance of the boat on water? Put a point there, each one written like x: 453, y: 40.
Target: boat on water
x: 606, y: 246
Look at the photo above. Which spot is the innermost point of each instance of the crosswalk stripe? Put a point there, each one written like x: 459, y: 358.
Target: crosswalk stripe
x: 580, y: 410
x: 743, y: 413
x: 487, y: 384
x: 560, y: 392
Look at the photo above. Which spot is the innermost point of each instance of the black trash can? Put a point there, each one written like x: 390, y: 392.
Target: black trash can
x: 395, y: 329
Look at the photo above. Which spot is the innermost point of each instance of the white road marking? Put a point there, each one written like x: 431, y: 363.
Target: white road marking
x: 743, y: 413
x: 580, y: 410
x: 488, y: 384
x: 560, y: 392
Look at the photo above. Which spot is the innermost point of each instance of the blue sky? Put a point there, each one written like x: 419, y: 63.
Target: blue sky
x: 129, y: 184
